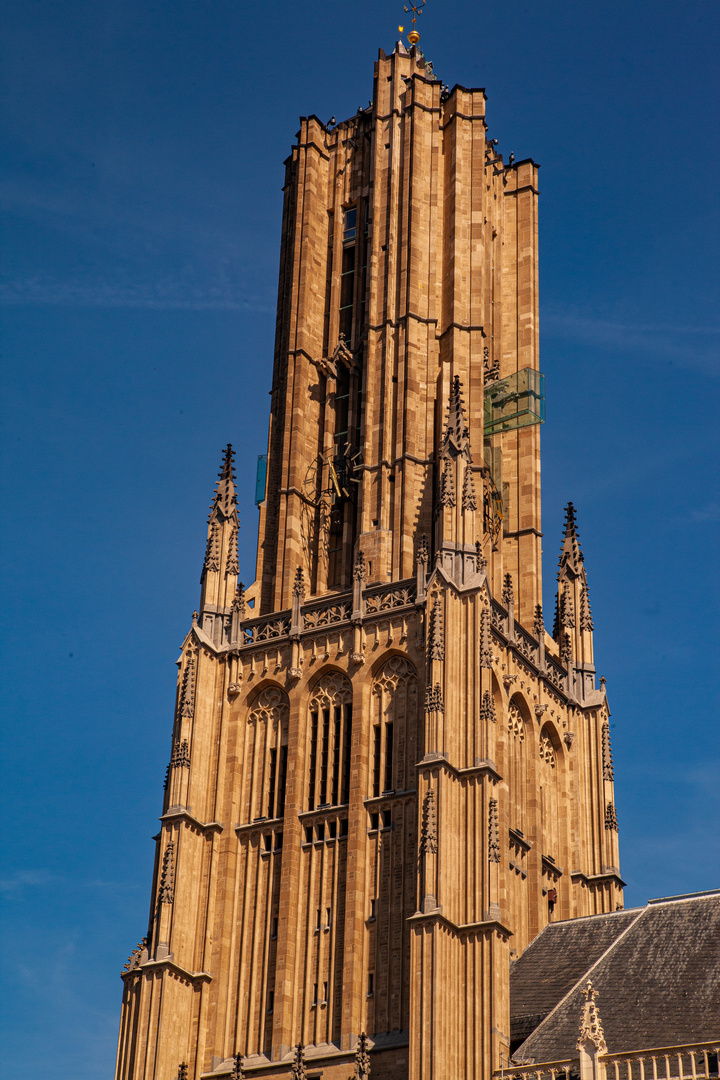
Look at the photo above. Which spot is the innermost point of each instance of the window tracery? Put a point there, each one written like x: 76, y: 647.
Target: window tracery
x: 330, y: 741
x: 395, y: 702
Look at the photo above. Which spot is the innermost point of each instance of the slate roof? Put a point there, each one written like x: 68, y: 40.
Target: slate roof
x: 656, y: 971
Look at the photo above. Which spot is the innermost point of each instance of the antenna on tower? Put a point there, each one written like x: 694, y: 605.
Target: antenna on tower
x: 416, y: 8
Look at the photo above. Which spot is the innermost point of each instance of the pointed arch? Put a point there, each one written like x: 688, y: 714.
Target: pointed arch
x: 267, y: 749
x: 394, y: 714
x: 518, y: 735
x: 549, y: 768
x: 330, y: 734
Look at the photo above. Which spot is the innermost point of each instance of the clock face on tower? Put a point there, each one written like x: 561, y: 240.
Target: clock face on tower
x: 334, y: 474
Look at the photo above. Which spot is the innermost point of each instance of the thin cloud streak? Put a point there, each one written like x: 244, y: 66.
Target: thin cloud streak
x: 157, y: 295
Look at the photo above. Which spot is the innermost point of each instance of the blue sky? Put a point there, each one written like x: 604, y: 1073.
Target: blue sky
x: 143, y: 148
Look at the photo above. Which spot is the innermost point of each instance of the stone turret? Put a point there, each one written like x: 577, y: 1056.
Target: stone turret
x: 220, y: 568
x: 573, y: 628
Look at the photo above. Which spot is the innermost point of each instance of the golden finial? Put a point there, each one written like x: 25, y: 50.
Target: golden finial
x: 416, y: 8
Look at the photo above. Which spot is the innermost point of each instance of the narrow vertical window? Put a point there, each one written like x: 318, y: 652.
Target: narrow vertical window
x: 271, y: 1001
x: 271, y: 785
x: 324, y: 756
x: 376, y: 760
x: 388, y: 757
x: 371, y: 984
x: 313, y: 758
x: 346, y: 754
x: 281, y: 781
x: 337, y: 735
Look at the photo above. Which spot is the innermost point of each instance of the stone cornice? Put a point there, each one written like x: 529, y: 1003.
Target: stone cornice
x: 486, y: 767
x: 489, y: 926
x: 181, y: 814
x: 610, y: 874
x: 168, y: 964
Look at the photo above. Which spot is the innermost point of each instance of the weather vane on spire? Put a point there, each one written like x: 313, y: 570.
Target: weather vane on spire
x: 416, y: 8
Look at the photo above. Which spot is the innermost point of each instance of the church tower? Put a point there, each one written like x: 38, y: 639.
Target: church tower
x: 386, y: 776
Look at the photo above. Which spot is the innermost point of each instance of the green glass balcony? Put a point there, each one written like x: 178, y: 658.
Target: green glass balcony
x: 515, y: 402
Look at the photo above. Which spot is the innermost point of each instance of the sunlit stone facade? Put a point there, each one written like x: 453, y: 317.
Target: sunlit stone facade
x: 386, y: 775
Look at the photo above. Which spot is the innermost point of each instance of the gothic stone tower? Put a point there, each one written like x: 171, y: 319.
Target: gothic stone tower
x: 386, y: 776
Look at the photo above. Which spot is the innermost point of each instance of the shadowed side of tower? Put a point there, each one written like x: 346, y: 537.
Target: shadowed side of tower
x: 385, y: 774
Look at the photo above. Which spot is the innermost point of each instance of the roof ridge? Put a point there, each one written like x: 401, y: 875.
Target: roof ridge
x: 681, y: 897
x: 582, y: 918
x: 586, y: 974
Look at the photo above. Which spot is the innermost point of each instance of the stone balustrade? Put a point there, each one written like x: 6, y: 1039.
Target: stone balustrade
x: 688, y: 1061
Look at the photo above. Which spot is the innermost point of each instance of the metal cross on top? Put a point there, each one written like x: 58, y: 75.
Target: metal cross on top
x: 416, y: 8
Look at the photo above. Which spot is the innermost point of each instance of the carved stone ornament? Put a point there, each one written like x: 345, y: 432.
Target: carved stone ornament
x: 341, y: 354
x: 238, y: 1069
x: 516, y: 727
x: 436, y: 637
x: 298, y: 1070
x: 270, y: 707
x: 591, y: 1029
x: 396, y: 671
x: 428, y: 839
x: 238, y: 603
x: 586, y: 622
x: 611, y: 818
x: 539, y: 710
x: 360, y: 570
x: 362, y: 1058
x: 507, y: 591
x: 187, y: 690
x: 182, y: 1073
x: 212, y: 551
x: 569, y: 738
x: 433, y: 699
x: 166, y: 892
x: 299, y: 583
x: 486, y: 653
x: 487, y: 709
x: 332, y: 689
x: 135, y: 956
x: 469, y: 502
x: 538, y: 623
x: 480, y: 558
x: 180, y: 758
x: 493, y: 832
x: 447, y: 487
x: 231, y: 565
x: 608, y: 771
x: 547, y: 750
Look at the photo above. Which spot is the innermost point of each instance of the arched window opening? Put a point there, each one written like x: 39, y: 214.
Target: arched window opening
x: 330, y: 742
x: 395, y: 696
x: 548, y: 791
x: 517, y: 772
x: 268, y: 715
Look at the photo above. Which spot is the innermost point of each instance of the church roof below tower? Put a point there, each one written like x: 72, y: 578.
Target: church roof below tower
x: 656, y: 971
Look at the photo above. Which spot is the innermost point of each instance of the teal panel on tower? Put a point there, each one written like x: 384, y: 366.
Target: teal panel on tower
x: 515, y: 402
x: 261, y: 479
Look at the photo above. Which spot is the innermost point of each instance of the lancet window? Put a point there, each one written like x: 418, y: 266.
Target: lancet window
x: 330, y: 742
x: 548, y: 791
x: 395, y: 709
x: 268, y: 719
x: 518, y: 767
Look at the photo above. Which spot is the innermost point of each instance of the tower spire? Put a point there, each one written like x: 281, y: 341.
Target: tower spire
x: 220, y: 568
x: 573, y: 627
